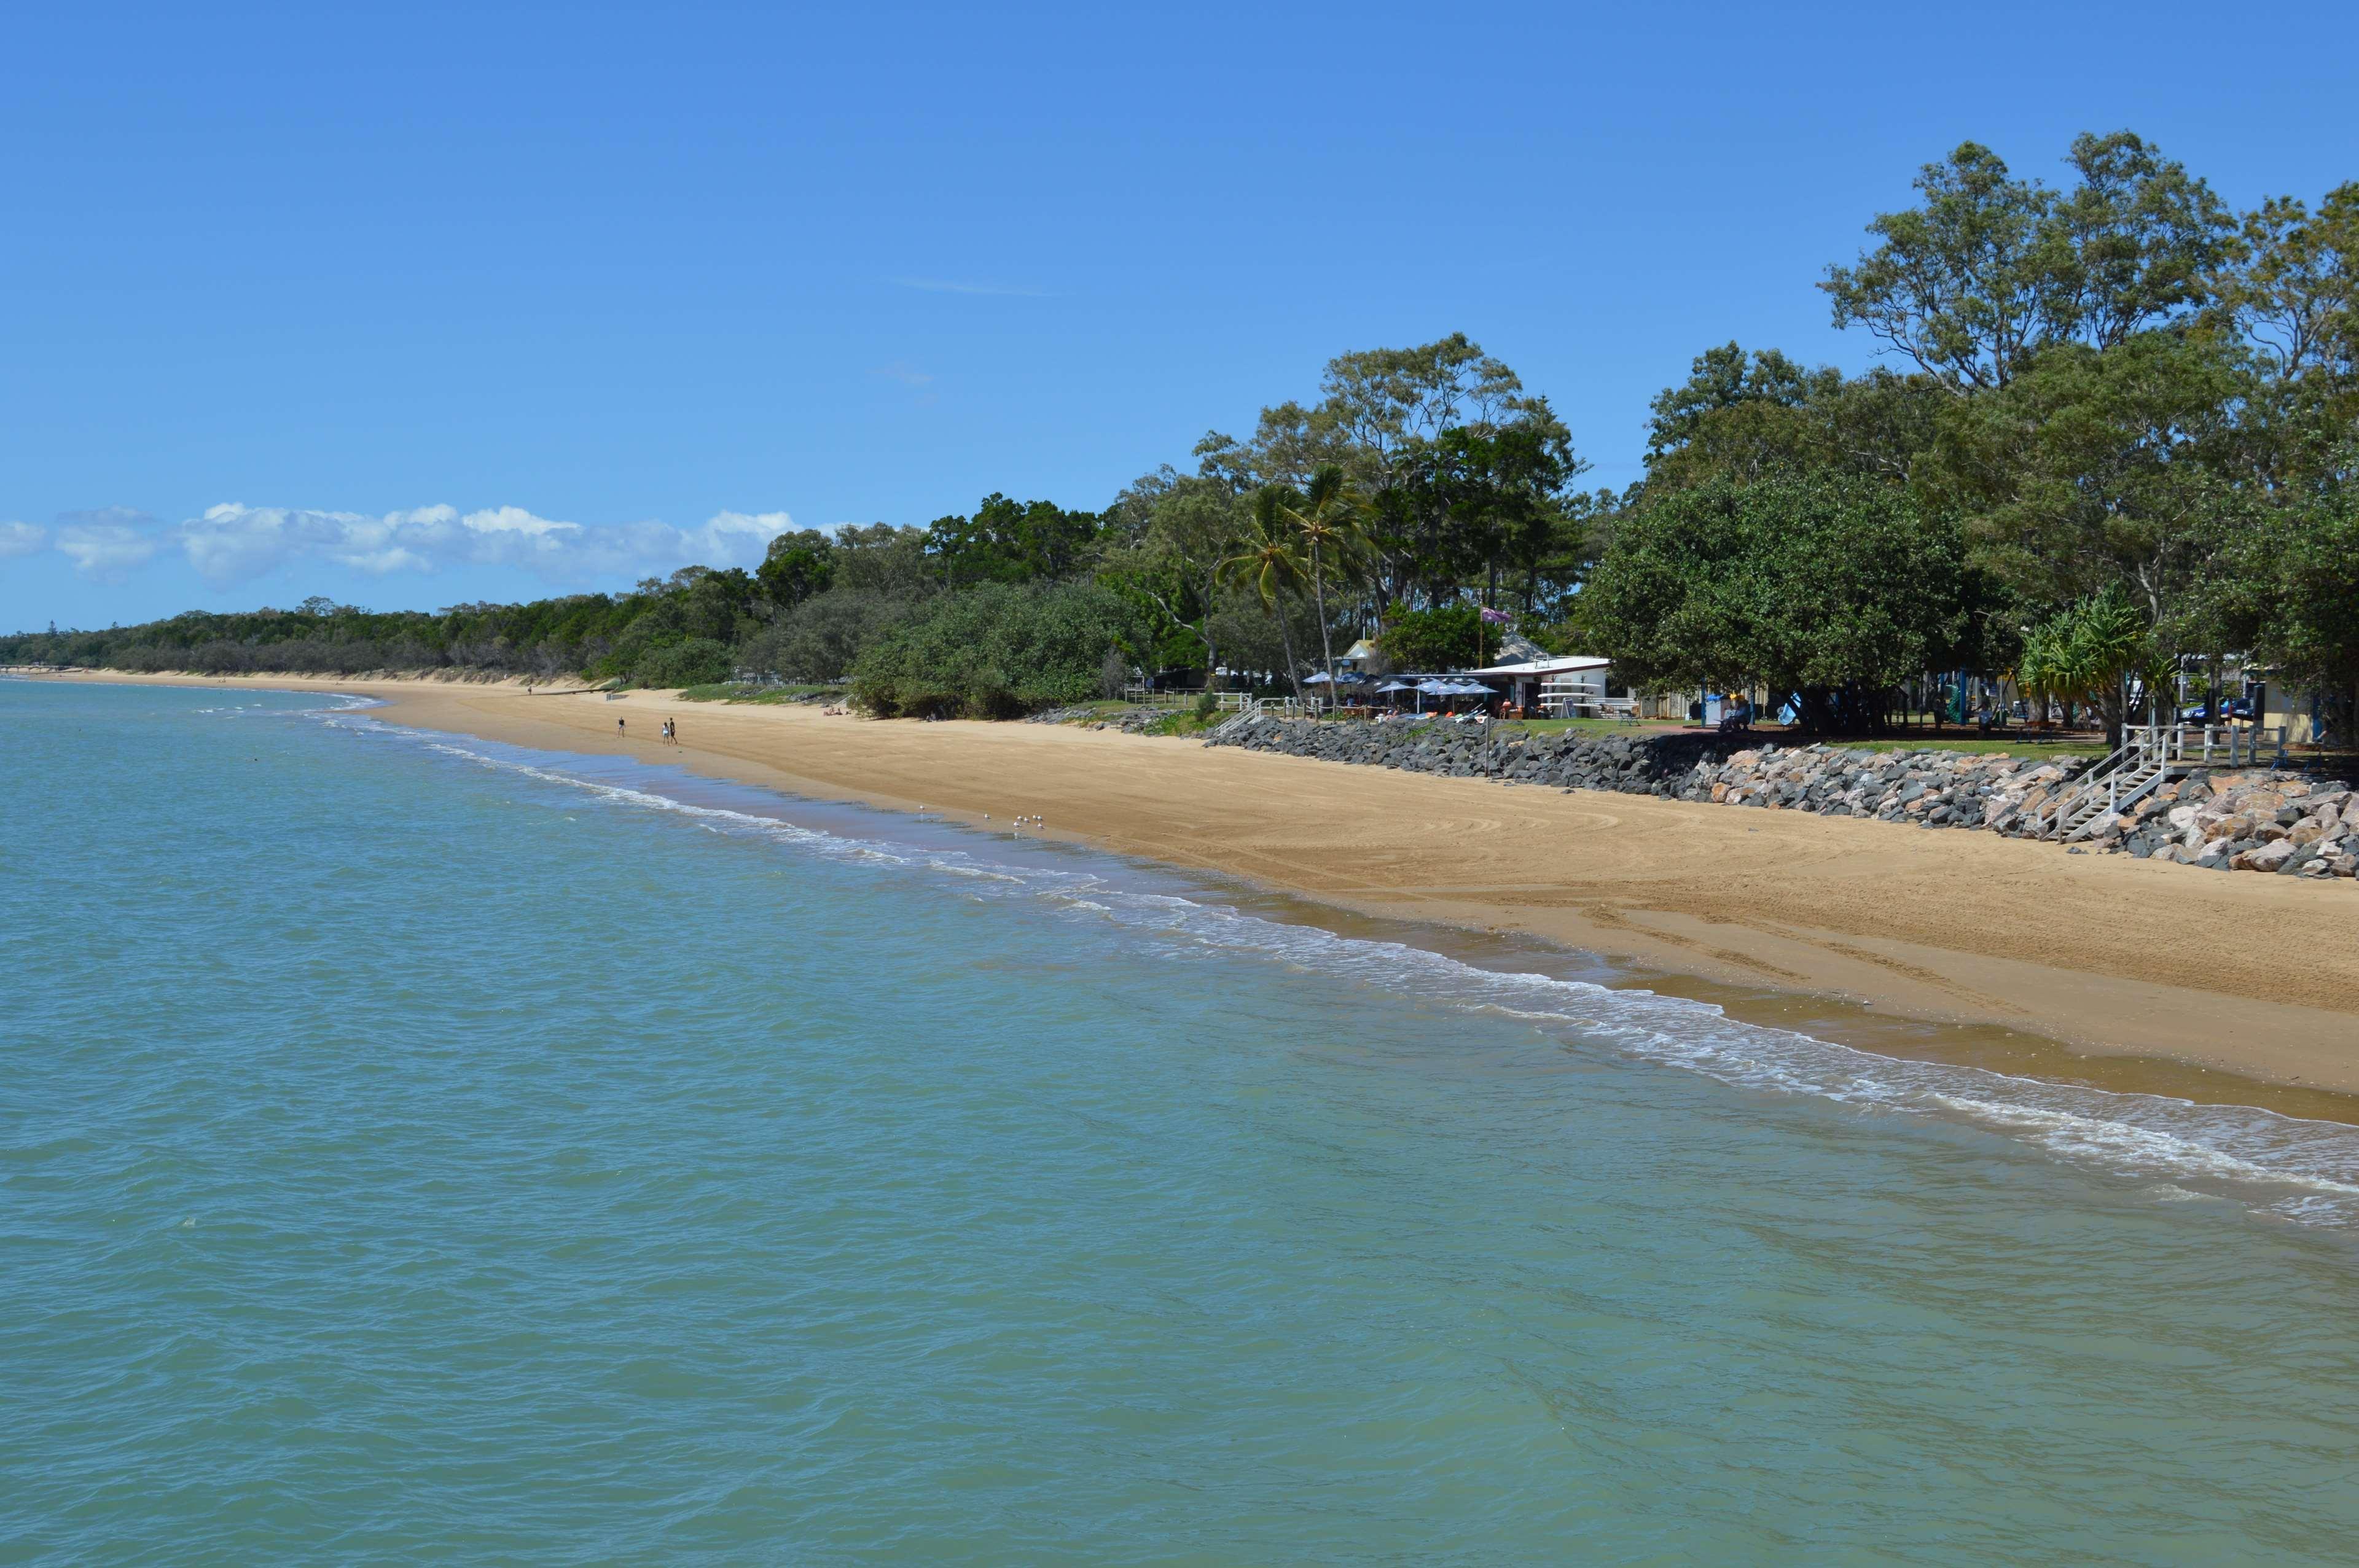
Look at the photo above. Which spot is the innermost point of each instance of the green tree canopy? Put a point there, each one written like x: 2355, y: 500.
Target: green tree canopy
x: 2096, y: 467
x: 1175, y: 530
x: 1827, y: 587
x: 1732, y: 420
x: 1987, y: 268
x: 1012, y: 541
x: 995, y: 650
x: 1445, y: 637
x: 796, y: 565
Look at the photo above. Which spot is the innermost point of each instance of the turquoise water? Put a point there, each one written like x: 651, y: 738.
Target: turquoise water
x: 415, y: 1148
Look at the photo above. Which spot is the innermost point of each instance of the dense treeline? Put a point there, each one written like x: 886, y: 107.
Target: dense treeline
x: 2116, y: 430
x: 2122, y: 433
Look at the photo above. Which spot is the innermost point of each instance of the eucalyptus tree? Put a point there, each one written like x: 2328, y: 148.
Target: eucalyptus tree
x: 2284, y: 587
x: 1380, y: 414
x: 2140, y: 241
x: 1738, y: 419
x: 2294, y: 295
x: 1182, y: 529
x: 2297, y: 292
x: 1987, y: 268
x: 2093, y: 468
x: 1478, y: 499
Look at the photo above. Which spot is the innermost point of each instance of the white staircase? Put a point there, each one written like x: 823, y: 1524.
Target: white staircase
x: 2145, y: 759
x: 2132, y: 771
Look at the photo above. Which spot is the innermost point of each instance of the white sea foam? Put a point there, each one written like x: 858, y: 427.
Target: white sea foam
x: 2292, y: 1168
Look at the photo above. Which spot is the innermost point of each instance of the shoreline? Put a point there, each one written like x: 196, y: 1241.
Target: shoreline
x: 1815, y: 924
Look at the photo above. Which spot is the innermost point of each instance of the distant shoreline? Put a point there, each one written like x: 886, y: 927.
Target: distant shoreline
x: 2102, y: 970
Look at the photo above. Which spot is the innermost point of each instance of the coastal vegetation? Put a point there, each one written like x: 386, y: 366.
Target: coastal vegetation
x: 997, y: 650
x: 2129, y: 411
x: 2114, y: 436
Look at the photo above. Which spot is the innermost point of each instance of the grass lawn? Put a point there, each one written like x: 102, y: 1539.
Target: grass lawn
x: 2016, y: 745
x: 1091, y: 711
x: 1186, y: 722
x: 1581, y: 725
x: 739, y: 691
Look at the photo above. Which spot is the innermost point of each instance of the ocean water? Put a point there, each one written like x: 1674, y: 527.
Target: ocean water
x: 414, y: 1149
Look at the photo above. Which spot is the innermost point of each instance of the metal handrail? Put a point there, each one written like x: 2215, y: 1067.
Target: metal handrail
x: 2150, y: 752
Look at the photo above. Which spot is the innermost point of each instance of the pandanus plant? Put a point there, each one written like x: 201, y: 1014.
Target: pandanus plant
x: 2040, y: 669
x: 2090, y: 653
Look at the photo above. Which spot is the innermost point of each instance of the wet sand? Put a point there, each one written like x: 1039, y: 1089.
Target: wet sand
x: 2015, y: 956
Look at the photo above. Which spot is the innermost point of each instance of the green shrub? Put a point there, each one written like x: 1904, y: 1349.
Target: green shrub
x: 700, y: 661
x: 996, y: 651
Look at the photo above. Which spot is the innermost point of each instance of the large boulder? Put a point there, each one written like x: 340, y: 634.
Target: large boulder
x: 2267, y: 857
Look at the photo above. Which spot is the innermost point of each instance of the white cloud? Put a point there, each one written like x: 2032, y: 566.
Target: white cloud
x: 736, y: 539
x: 108, y: 541
x: 233, y: 542
x: 903, y: 372
x: 21, y: 539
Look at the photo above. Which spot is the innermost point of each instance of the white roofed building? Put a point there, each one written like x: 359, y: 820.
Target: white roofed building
x: 1556, y: 685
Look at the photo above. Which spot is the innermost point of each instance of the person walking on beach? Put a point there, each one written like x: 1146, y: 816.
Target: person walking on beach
x: 618, y: 727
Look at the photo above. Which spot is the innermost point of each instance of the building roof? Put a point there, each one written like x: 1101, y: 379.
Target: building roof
x: 1543, y: 667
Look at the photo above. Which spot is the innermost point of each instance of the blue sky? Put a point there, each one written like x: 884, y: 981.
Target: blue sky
x: 413, y: 305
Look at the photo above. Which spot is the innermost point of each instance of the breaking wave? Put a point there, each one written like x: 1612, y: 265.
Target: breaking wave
x: 2288, y: 1167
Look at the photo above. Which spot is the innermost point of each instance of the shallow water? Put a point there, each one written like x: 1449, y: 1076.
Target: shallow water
x: 413, y: 1148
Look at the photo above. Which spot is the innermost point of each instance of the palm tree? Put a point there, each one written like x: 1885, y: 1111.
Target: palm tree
x: 1328, y: 520
x: 1269, y: 563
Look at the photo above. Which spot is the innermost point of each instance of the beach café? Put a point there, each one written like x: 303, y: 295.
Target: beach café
x: 1569, y: 686
x: 1437, y: 694
x: 1560, y: 686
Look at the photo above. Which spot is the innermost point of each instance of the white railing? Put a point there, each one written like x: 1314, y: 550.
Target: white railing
x: 2148, y: 754
x: 1224, y: 702
x: 2240, y: 745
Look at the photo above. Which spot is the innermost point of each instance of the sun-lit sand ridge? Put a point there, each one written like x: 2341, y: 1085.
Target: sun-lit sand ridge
x: 2256, y: 976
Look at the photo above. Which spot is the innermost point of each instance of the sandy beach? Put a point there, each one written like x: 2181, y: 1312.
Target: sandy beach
x: 2091, y: 966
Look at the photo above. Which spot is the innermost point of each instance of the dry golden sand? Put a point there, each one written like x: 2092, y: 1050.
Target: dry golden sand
x: 2254, y: 976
